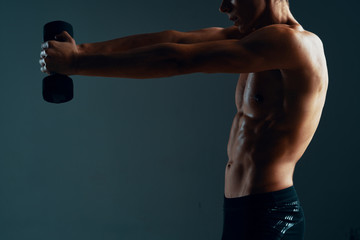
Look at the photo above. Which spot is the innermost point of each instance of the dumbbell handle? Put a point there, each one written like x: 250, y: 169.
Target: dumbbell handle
x: 57, y: 88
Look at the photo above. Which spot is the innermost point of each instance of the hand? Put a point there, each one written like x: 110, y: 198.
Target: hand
x: 59, y: 56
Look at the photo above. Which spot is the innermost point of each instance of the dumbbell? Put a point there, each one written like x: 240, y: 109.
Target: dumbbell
x: 57, y: 88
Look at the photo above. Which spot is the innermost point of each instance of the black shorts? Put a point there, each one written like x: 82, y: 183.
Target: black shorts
x: 266, y: 216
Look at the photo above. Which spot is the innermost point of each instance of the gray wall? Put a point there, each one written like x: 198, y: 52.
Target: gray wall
x: 144, y: 159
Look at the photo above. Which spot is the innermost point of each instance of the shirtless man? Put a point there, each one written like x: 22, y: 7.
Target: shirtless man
x: 279, y: 97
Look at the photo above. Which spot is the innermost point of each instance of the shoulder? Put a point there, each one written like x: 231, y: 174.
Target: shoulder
x: 295, y: 37
x: 286, y: 42
x: 304, y: 49
x: 277, y: 33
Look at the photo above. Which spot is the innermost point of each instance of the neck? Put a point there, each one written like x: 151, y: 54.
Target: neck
x: 275, y: 12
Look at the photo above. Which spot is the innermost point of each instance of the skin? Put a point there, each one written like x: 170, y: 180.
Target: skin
x: 279, y: 96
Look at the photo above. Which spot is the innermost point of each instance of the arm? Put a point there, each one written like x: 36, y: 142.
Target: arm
x: 265, y: 49
x: 170, y: 36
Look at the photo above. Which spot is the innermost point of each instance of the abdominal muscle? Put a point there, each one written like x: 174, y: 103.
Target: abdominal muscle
x: 258, y: 159
x: 264, y: 143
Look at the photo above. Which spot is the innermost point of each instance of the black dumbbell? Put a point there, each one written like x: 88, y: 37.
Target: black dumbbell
x: 57, y: 88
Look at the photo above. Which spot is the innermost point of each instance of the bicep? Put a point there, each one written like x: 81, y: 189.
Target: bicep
x: 226, y: 56
x: 207, y: 34
x: 258, y: 52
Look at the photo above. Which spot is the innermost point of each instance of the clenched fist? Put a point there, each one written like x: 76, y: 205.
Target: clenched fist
x: 59, y: 56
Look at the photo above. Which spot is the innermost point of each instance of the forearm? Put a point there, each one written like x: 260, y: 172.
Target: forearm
x: 128, y: 43
x: 168, y: 36
x: 140, y: 56
x: 159, y: 60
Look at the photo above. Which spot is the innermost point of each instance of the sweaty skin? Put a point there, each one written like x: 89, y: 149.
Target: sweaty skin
x: 279, y: 96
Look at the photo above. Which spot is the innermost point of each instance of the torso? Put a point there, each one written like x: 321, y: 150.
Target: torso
x: 278, y: 112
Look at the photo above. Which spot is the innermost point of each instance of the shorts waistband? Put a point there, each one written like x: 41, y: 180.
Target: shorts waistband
x: 263, y: 199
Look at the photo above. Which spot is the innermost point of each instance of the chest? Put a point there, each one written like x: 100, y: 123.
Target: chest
x: 258, y: 93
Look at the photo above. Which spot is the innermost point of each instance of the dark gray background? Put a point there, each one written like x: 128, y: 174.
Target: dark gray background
x: 145, y: 159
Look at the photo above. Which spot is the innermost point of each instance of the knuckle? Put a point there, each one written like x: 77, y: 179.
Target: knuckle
x: 45, y: 45
x: 43, y: 69
x: 43, y: 54
x: 51, y: 44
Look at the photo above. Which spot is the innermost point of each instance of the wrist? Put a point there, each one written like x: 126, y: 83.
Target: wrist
x: 81, y: 49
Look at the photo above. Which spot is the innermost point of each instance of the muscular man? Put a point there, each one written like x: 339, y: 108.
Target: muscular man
x: 279, y: 97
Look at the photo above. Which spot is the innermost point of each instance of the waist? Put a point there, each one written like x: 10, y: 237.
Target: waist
x: 267, y: 199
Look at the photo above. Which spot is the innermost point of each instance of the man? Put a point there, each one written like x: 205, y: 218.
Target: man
x: 279, y: 97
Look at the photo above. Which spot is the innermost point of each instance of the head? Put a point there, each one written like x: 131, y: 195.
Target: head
x: 249, y: 15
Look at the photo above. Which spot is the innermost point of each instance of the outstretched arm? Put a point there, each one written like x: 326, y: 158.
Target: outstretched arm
x: 265, y: 49
x: 169, y: 36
